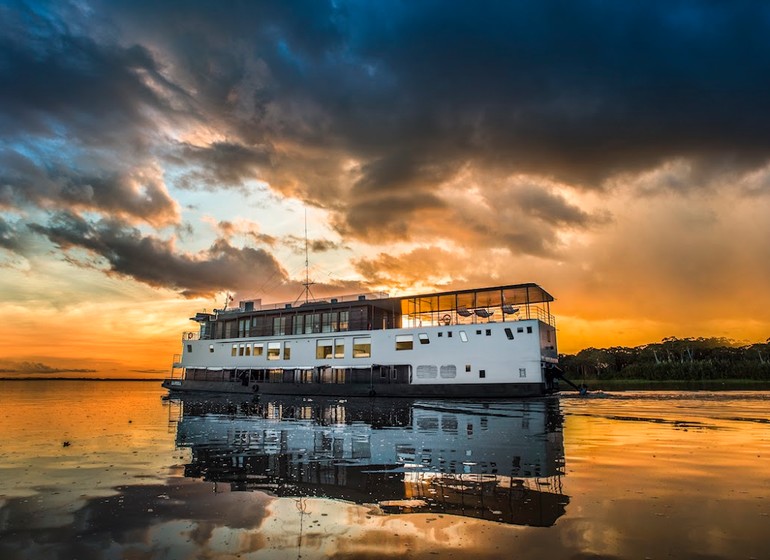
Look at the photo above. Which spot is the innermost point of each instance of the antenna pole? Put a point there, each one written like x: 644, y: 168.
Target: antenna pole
x: 307, y: 263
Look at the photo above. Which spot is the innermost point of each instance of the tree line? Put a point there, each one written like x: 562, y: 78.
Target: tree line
x: 682, y: 359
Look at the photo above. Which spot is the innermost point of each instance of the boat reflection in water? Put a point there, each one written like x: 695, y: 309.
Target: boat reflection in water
x: 499, y: 461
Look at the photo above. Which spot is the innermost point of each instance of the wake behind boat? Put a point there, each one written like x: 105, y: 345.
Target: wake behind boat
x: 489, y: 342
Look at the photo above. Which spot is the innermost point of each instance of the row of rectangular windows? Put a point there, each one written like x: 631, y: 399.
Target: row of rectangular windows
x: 325, y: 349
x: 328, y: 348
x: 291, y: 324
x: 450, y: 371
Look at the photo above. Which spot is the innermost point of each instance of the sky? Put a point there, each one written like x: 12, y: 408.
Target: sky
x: 156, y: 156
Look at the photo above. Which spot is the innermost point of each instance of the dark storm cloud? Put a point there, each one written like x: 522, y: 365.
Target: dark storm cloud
x: 387, y: 216
x: 155, y: 262
x: 417, y: 91
x: 77, y: 119
x: 538, y: 202
x: 578, y: 90
x: 223, y: 164
x: 107, y: 186
x: 370, y: 109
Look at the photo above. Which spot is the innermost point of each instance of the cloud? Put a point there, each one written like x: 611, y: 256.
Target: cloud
x: 79, y: 116
x: 361, y: 106
x: 223, y: 164
x: 154, y: 261
x: 135, y: 192
x: 228, y: 230
x: 10, y: 238
x: 578, y: 93
x: 37, y: 368
x: 297, y: 245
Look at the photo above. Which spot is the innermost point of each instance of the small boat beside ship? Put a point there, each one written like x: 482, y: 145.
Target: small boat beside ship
x: 489, y: 342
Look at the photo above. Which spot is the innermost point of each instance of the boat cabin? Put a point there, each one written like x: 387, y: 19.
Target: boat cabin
x: 375, y: 311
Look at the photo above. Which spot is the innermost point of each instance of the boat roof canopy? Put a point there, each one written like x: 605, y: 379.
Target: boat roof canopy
x: 506, y: 297
x: 497, y: 296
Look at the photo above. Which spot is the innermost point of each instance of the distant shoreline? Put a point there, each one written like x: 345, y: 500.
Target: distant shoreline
x: 671, y: 385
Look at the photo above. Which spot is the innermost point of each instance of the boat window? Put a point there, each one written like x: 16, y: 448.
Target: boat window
x: 231, y: 329
x: 280, y: 325
x: 449, y: 334
x: 323, y: 349
x: 234, y: 351
x: 448, y: 372
x: 247, y: 350
x: 440, y: 334
x: 489, y: 332
x: 522, y: 372
x: 482, y: 373
x: 339, y: 348
x: 298, y: 324
x: 189, y: 347
x: 467, y: 368
x: 519, y: 329
x: 241, y: 349
x: 211, y: 348
x: 463, y: 336
x: 529, y: 330
x: 287, y: 350
x: 423, y: 338
x: 404, y: 341
x: 478, y: 331
x: 362, y: 347
x: 259, y: 349
x: 509, y: 333
x: 427, y: 372
x: 329, y: 322
x: 273, y: 350
x: 343, y: 325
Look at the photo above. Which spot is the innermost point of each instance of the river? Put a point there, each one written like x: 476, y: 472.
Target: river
x: 93, y: 470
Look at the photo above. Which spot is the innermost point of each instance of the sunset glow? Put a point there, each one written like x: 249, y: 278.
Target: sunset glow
x: 155, y: 157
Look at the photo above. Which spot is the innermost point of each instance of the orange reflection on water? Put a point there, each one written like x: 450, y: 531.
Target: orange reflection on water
x: 85, y: 437
x: 670, y: 473
x: 659, y: 475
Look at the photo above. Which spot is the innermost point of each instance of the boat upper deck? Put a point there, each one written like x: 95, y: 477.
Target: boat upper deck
x: 373, y: 311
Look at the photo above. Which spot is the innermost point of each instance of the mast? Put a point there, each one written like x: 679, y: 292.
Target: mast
x: 307, y: 282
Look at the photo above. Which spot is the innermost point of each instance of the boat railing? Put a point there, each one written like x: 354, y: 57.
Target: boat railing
x: 176, y: 366
x: 255, y: 305
x: 473, y: 316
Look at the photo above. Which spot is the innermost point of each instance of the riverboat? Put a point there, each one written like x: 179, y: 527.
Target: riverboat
x: 488, y: 342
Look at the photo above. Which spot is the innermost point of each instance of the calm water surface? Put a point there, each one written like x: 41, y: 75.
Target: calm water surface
x: 93, y: 470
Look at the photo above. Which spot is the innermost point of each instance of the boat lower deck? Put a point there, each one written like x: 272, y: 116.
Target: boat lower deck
x: 458, y: 390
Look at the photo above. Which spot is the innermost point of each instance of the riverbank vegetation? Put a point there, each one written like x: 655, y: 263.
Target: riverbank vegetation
x: 703, y: 360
